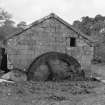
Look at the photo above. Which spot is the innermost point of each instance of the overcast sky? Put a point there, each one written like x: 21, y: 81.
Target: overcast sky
x: 69, y: 10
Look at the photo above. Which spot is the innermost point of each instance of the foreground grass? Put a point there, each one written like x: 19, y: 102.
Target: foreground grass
x: 45, y: 93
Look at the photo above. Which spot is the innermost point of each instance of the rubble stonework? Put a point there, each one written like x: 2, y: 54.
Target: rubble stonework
x: 48, y: 34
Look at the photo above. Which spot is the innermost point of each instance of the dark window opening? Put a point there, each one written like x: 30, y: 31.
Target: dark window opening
x: 72, y: 42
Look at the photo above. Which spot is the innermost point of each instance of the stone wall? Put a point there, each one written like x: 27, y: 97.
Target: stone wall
x: 99, y: 52
x: 82, y: 52
x: 50, y: 35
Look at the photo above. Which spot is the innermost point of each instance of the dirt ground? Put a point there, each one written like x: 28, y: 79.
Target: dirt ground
x: 52, y: 93
x: 55, y: 93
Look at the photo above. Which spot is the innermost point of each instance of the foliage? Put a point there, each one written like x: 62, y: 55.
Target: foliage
x: 91, y: 26
x: 4, y: 15
x: 22, y: 25
x: 7, y: 25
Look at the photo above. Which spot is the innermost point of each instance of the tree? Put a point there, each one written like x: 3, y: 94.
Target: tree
x: 7, y: 27
x: 99, y: 18
x: 91, y: 26
x: 22, y: 25
x: 84, y: 25
x: 77, y: 24
x: 9, y: 23
x: 4, y: 15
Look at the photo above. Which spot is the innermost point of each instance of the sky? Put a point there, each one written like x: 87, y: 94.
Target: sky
x: 69, y: 10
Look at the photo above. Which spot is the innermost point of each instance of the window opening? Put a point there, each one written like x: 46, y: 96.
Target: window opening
x: 72, y: 41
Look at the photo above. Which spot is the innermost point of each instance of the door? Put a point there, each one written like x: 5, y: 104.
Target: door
x: 3, y: 65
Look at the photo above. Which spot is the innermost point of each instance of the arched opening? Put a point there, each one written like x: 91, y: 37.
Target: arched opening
x: 53, y: 66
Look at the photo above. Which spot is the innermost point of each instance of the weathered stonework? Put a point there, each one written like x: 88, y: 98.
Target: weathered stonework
x: 99, y: 52
x: 48, y: 34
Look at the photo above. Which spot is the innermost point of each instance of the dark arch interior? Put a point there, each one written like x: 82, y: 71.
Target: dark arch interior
x: 46, y: 57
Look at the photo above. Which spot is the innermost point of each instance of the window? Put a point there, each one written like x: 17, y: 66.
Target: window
x: 72, y: 41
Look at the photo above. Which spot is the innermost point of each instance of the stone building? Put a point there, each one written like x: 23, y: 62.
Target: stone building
x: 48, y: 34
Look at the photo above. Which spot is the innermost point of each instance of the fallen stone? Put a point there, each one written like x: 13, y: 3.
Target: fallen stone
x: 15, y: 75
x: 3, y: 80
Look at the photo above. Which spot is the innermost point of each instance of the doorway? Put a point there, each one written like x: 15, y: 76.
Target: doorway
x: 3, y: 65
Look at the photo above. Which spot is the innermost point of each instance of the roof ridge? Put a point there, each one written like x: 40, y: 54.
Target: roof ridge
x: 52, y: 15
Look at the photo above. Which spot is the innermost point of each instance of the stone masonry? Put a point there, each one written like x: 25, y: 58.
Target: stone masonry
x: 50, y: 33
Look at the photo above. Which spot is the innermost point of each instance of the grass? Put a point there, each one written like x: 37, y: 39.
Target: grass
x: 30, y: 93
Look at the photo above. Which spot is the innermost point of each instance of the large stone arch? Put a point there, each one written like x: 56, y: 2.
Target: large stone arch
x: 53, y: 66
